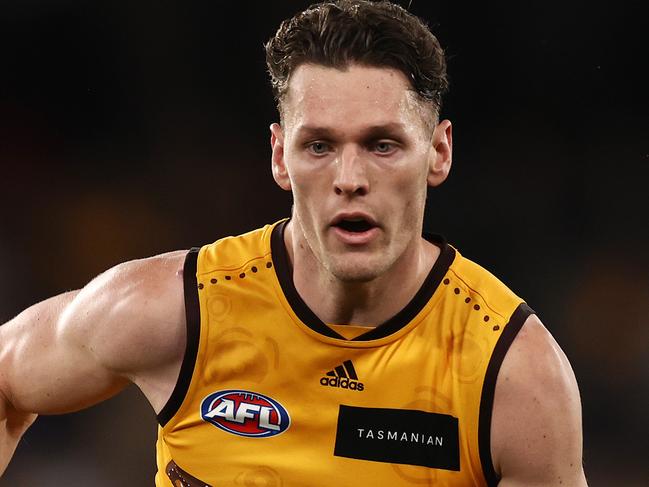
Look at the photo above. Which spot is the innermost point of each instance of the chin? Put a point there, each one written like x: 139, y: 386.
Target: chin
x: 355, y: 269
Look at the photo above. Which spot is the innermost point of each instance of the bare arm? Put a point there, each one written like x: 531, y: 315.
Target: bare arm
x: 13, y: 425
x: 79, y: 348
x: 536, y: 427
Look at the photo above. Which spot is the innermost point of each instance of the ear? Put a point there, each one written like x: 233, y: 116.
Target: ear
x: 440, y: 156
x: 280, y: 174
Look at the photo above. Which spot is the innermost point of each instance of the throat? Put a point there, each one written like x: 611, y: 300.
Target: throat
x: 363, y: 303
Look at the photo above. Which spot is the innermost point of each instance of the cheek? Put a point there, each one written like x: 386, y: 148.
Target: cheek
x: 310, y: 182
x: 308, y: 194
x: 409, y: 194
x: 304, y: 190
x: 411, y: 186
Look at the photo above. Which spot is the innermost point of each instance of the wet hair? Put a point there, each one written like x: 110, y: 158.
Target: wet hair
x: 339, y: 33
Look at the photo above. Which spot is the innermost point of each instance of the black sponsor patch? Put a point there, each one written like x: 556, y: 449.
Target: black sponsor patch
x: 403, y: 436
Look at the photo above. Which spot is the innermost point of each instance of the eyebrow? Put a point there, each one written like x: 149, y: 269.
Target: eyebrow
x: 371, y: 132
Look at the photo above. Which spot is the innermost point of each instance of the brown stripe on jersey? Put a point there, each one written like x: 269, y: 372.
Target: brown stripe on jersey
x: 394, y: 324
x: 522, y: 312
x: 193, y: 317
x: 285, y: 276
x: 179, y: 477
x: 426, y: 291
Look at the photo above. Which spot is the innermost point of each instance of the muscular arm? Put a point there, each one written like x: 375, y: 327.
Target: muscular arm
x: 82, y: 347
x: 536, y: 427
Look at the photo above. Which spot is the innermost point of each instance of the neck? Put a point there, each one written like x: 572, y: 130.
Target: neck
x: 360, y: 303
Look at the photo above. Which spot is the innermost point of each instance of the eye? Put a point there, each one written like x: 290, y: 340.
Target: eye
x: 318, y: 148
x: 384, y: 147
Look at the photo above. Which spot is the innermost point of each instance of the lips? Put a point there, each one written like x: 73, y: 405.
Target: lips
x: 355, y: 219
x: 355, y: 228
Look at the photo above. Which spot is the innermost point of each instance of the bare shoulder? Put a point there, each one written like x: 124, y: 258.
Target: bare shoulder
x: 132, y: 315
x: 78, y: 348
x: 536, y: 429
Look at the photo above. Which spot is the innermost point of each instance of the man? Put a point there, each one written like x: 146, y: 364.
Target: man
x: 339, y: 347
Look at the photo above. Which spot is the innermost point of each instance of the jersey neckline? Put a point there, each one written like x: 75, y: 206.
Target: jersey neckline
x: 284, y: 274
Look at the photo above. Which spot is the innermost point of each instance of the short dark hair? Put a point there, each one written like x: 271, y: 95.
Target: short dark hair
x: 341, y: 32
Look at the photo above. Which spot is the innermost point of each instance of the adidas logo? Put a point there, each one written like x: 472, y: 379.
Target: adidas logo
x: 343, y: 376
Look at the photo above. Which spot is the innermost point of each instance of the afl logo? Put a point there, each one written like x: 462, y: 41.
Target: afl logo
x: 245, y: 413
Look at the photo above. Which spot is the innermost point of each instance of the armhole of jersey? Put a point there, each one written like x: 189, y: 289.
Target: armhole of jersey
x: 193, y: 316
x: 489, y: 388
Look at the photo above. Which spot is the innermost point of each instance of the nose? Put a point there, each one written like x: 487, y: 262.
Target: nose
x: 351, y: 173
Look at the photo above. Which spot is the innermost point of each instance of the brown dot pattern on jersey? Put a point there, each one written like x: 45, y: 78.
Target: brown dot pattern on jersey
x: 254, y: 269
x: 446, y: 281
x: 467, y: 300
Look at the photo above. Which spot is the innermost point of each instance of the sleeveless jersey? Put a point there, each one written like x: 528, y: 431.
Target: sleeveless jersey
x: 270, y: 395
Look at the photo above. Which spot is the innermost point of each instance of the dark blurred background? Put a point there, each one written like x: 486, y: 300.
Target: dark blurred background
x: 133, y: 128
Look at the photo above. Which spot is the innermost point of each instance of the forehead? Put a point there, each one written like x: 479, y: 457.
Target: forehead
x: 350, y: 98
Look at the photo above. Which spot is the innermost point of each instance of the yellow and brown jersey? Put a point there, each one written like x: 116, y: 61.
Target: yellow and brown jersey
x: 270, y: 395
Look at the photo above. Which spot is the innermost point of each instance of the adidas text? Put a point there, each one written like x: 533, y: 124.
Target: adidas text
x: 343, y: 383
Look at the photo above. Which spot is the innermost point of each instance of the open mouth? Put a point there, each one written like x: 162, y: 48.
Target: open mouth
x: 355, y: 225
